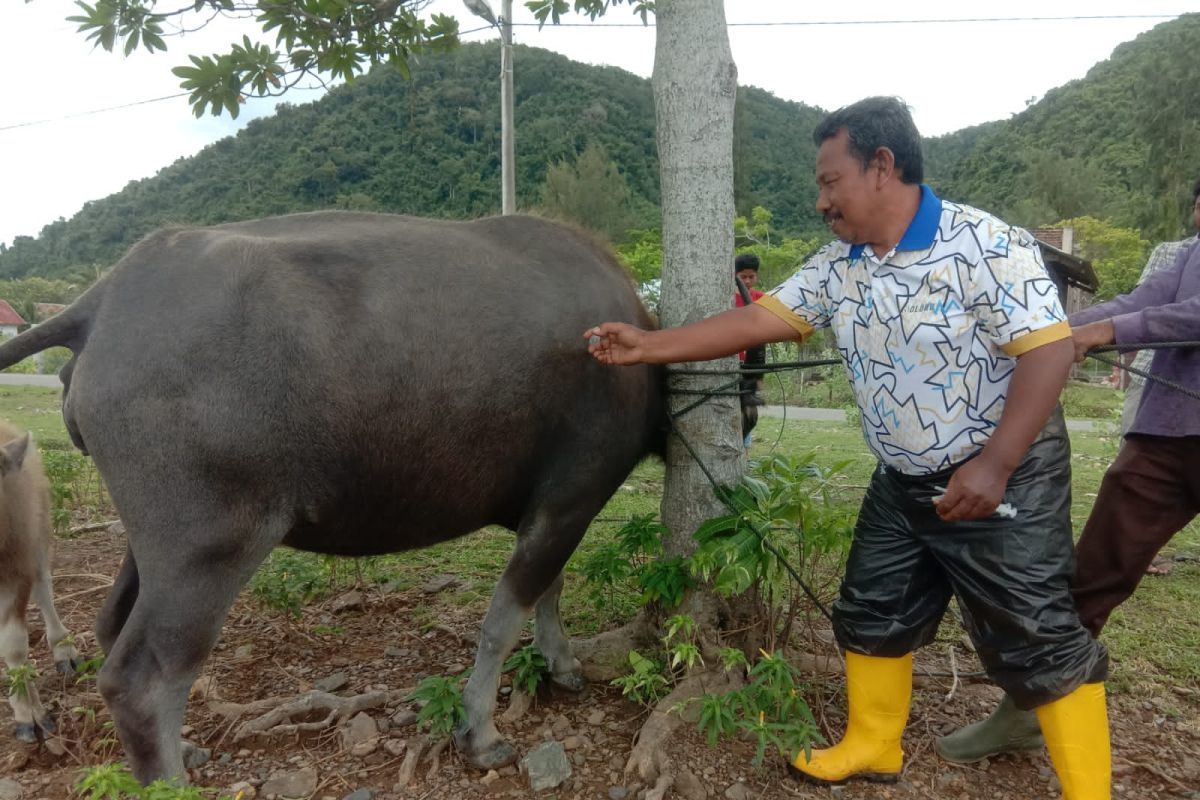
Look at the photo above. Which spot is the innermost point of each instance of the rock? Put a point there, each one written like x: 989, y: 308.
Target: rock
x: 595, y: 718
x: 364, y: 749
x: 360, y: 794
x: 349, y: 601
x: 546, y: 767
x: 10, y: 789
x: 440, y: 583
x: 332, y: 682
x: 205, y: 688
x: 360, y: 730
x: 394, y: 747
x: 18, y: 759
x: 194, y: 756
x: 456, y: 669
x: 55, y: 747
x: 391, y: 651
x: 117, y: 528
x: 293, y: 785
x: 739, y: 791
x: 404, y: 717
x: 243, y: 789
x: 491, y: 777
x: 570, y: 743
x: 243, y: 652
x: 617, y: 793
x: 689, y: 786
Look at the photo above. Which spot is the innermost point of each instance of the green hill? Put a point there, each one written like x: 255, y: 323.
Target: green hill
x: 1121, y: 143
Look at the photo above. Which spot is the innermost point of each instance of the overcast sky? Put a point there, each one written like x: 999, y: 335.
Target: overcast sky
x: 54, y: 156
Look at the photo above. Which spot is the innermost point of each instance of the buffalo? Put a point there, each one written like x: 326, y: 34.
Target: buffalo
x: 343, y: 383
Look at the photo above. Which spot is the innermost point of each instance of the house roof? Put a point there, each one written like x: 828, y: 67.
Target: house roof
x: 1050, y: 236
x: 8, y: 316
x: 1073, y: 269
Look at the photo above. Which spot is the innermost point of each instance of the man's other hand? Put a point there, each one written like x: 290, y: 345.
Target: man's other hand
x: 974, y: 491
x: 1091, y: 335
x: 616, y: 343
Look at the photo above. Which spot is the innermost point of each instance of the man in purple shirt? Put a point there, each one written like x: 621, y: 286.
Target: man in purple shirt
x: 1149, y: 493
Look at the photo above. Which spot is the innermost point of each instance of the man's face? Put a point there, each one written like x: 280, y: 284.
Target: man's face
x: 1196, y: 214
x: 749, y: 277
x: 845, y: 191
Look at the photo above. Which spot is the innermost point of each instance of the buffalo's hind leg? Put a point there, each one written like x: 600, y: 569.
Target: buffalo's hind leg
x: 544, y: 543
x: 118, y: 603
x: 174, y: 602
x: 552, y: 641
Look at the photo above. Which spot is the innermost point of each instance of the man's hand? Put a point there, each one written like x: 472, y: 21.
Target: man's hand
x: 616, y: 343
x: 1092, y: 335
x: 974, y: 491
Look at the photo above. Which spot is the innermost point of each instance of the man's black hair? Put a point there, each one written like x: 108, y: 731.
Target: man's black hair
x: 1196, y: 191
x: 874, y: 123
x: 745, y: 261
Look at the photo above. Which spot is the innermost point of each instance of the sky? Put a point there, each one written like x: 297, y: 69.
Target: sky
x: 78, y: 123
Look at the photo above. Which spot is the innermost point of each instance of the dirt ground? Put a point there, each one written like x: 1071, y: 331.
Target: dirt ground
x: 367, y: 643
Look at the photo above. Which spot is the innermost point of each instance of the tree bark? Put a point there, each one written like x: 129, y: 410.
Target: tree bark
x: 695, y: 88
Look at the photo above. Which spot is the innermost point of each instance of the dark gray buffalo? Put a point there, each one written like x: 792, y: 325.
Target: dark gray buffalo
x: 353, y: 384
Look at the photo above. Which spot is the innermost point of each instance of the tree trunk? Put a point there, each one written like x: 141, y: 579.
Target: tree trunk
x: 695, y: 87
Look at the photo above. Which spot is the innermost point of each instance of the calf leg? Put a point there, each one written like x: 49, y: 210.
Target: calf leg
x: 28, y: 712
x: 544, y: 543
x: 551, y: 640
x: 188, y: 579
x: 66, y: 657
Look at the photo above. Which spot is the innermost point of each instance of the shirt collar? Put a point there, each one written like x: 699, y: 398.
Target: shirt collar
x: 923, y: 228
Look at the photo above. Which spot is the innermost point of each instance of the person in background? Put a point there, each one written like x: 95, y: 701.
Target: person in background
x: 1149, y: 493
x: 745, y: 270
x: 957, y: 349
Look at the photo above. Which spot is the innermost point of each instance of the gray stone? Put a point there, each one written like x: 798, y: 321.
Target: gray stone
x: 349, y: 601
x: 546, y: 767
x: 440, y: 583
x: 404, y: 717
x: 360, y: 730
x: 194, y: 756
x: 689, y: 786
x: 243, y: 789
x: 617, y: 793
x: 333, y: 682
x: 360, y: 794
x: 293, y: 785
x: 10, y: 789
x: 739, y: 791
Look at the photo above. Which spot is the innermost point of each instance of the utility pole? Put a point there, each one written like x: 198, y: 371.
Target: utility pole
x: 508, y: 182
x: 508, y: 185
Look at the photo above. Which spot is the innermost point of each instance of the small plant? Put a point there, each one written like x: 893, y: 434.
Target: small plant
x: 682, y: 648
x: 20, y: 680
x: 441, y: 704
x: 665, y: 581
x: 108, y: 782
x: 646, y: 684
x: 531, y: 669
x: 328, y: 630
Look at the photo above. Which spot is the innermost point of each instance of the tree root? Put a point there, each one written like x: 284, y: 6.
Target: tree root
x: 605, y: 656
x: 277, y: 716
x: 648, y: 759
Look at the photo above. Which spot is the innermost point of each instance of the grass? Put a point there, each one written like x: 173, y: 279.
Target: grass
x: 1154, y: 637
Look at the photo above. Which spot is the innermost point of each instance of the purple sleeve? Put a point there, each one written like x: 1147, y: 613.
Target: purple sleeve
x: 1157, y: 290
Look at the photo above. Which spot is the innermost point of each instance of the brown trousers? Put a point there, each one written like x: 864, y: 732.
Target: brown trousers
x: 1147, y: 496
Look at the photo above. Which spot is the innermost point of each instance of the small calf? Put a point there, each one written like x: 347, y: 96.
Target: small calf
x: 25, y: 571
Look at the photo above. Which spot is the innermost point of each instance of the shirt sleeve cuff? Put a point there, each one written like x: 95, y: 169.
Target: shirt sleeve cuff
x: 1129, y: 328
x: 1023, y: 344
x: 773, y: 304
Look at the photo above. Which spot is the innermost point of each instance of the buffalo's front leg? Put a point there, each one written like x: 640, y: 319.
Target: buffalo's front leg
x: 544, y: 543
x: 28, y: 713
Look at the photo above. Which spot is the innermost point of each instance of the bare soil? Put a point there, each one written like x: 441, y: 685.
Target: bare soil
x: 375, y: 646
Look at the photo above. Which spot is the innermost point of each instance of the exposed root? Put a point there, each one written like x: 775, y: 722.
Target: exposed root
x: 648, y: 759
x: 416, y: 748
x: 279, y: 716
x: 434, y: 757
x: 604, y: 657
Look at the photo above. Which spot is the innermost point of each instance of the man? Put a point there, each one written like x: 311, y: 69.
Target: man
x: 1149, y: 493
x: 745, y: 269
x: 957, y: 348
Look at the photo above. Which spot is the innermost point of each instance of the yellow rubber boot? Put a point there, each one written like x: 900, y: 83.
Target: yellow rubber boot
x: 879, y: 691
x: 1076, y: 731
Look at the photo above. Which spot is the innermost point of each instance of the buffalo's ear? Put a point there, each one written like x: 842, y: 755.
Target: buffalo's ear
x: 12, y: 454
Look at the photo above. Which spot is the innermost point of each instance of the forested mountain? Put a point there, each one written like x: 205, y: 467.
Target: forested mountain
x: 1122, y: 143
x: 429, y: 145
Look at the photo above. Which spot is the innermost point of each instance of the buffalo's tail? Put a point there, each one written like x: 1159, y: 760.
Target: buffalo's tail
x: 68, y: 328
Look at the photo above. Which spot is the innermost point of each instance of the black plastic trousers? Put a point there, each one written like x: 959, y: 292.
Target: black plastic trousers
x: 1011, y: 576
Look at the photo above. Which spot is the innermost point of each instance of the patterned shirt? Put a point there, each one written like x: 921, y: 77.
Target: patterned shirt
x: 1162, y: 257
x: 930, y: 332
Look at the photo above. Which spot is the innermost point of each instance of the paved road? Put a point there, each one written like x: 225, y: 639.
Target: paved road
x: 17, y: 379
x: 837, y: 415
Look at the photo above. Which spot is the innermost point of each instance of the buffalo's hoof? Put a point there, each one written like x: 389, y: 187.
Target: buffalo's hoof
x: 47, y: 724
x: 25, y: 732
x: 500, y: 754
x: 571, y: 681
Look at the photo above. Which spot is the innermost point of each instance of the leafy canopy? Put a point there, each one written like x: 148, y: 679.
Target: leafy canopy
x: 313, y: 39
